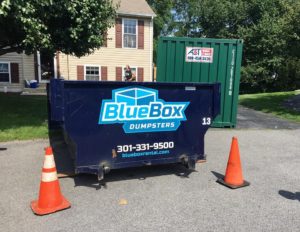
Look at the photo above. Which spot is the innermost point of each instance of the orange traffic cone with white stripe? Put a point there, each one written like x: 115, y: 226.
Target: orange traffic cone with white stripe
x: 50, y: 198
x: 234, y: 176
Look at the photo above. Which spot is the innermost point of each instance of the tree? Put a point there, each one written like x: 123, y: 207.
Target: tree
x: 269, y: 28
x: 76, y: 27
x: 162, y: 21
x: 162, y: 9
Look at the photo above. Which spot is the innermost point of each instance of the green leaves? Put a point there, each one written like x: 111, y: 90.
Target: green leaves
x: 4, y: 7
x: 162, y: 9
x: 74, y: 27
x: 163, y: 19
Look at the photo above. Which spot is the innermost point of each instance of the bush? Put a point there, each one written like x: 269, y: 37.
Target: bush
x: 288, y: 76
x: 258, y: 80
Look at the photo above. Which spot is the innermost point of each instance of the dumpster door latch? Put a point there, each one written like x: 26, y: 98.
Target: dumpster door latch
x: 101, y: 171
x: 191, y: 164
x: 188, y: 162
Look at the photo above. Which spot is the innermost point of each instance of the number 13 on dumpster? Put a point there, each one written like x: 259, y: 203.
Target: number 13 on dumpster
x: 206, y: 121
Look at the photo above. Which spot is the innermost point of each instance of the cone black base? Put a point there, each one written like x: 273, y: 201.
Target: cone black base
x: 221, y: 181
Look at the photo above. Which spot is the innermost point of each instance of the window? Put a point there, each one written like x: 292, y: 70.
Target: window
x: 133, y: 71
x: 92, y: 73
x: 4, y: 72
x: 129, y: 33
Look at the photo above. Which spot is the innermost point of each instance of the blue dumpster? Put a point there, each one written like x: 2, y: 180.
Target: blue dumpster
x: 112, y: 125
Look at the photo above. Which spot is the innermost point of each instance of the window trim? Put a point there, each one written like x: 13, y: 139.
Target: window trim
x: 9, y: 72
x: 136, y: 33
x: 131, y: 67
x: 92, y: 65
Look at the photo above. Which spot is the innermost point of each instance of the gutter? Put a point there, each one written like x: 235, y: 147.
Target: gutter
x: 137, y: 14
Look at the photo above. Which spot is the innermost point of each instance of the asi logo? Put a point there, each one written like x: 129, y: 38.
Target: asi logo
x: 141, y: 110
x: 199, y: 54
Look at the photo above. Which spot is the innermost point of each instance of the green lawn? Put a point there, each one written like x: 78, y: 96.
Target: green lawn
x: 271, y: 103
x: 22, y: 117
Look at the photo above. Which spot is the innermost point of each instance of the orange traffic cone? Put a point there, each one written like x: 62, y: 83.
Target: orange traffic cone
x: 234, y: 176
x: 50, y: 198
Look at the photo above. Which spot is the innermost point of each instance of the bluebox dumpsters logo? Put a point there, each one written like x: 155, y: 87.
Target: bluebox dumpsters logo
x: 141, y: 110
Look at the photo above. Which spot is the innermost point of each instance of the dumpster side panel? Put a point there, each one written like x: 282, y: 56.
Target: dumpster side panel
x: 106, y: 121
x: 172, y: 66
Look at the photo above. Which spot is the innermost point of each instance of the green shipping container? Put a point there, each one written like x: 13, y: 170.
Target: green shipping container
x: 204, y: 60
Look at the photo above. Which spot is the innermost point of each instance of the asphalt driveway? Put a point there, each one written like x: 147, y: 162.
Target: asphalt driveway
x: 168, y: 197
x: 252, y: 119
x: 164, y: 198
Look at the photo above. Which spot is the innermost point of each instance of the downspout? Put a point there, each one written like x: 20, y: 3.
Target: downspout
x: 55, y: 66
x: 151, y: 48
x: 58, y: 65
x: 23, y: 72
x: 39, y: 66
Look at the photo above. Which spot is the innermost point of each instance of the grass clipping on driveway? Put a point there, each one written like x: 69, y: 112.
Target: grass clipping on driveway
x: 271, y: 103
x: 22, y: 117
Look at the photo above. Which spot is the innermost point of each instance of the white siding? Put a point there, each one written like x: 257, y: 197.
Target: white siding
x: 28, y: 62
x: 26, y: 70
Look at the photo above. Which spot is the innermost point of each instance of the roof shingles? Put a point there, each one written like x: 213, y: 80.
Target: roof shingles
x: 134, y: 7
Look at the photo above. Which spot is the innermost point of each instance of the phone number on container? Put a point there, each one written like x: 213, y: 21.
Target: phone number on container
x: 145, y: 146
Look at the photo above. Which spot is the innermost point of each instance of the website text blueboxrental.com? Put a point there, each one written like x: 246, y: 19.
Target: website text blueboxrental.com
x: 146, y: 153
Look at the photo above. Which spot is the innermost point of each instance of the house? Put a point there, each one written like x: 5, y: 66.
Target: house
x: 14, y: 69
x: 129, y: 42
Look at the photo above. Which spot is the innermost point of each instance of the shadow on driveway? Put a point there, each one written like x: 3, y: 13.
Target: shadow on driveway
x: 289, y: 195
